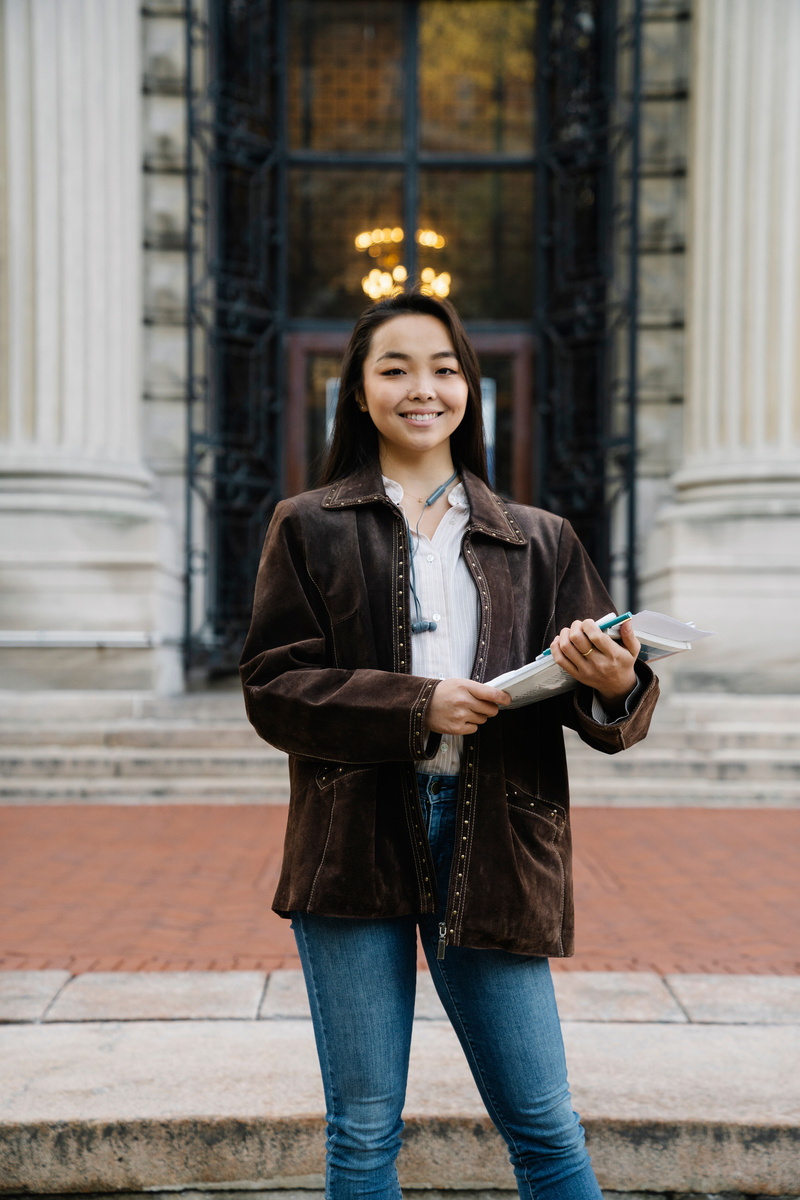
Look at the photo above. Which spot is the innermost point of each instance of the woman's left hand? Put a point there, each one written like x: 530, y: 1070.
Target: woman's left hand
x: 594, y: 658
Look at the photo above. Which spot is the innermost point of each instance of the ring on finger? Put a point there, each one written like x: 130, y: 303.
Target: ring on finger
x: 588, y: 652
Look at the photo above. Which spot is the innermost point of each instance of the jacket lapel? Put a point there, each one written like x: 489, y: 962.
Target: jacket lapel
x: 489, y: 514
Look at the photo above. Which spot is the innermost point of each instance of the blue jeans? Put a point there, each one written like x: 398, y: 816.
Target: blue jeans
x: 361, y: 978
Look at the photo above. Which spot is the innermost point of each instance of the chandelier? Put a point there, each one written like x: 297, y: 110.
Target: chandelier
x: 387, y: 278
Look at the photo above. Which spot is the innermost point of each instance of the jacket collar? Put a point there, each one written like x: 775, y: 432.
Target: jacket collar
x: 489, y: 514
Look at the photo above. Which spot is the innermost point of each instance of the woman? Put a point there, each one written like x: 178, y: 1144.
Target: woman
x: 384, y: 599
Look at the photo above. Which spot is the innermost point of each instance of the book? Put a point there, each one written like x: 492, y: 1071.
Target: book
x: 658, y: 634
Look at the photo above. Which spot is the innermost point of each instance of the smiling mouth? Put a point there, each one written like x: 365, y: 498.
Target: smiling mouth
x: 420, y: 418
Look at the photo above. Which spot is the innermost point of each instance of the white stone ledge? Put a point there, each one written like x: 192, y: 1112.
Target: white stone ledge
x: 124, y: 1106
x: 123, y: 639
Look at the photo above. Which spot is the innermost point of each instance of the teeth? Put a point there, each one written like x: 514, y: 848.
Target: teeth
x: 420, y: 417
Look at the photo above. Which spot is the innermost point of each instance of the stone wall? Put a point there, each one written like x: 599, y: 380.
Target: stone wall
x: 164, y: 252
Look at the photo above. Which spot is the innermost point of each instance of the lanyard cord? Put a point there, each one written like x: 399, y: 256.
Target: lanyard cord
x: 421, y: 625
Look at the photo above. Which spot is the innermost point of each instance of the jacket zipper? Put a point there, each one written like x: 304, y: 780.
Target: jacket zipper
x: 442, y: 940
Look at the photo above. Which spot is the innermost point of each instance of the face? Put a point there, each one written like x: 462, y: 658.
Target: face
x: 414, y: 388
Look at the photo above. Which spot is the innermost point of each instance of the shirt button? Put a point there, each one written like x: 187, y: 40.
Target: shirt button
x: 444, y: 747
x: 437, y: 616
x: 430, y: 558
x: 452, y: 520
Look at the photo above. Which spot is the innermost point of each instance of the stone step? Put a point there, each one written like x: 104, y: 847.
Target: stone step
x: 688, y: 1085
x: 645, y: 761
x: 185, y: 789
x: 726, y: 736
x: 127, y: 749
x: 64, y: 763
x: 639, y: 791
x: 613, y: 792
x: 640, y: 762
x: 239, y: 734
x: 222, y: 735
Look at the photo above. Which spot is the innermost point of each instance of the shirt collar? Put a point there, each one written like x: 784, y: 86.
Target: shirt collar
x: 489, y: 514
x: 457, y: 496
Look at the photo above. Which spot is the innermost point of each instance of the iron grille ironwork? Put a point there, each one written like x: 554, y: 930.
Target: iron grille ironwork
x: 584, y: 310
x: 236, y: 290
x: 587, y: 154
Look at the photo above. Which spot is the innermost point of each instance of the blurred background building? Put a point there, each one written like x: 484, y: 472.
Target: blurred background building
x: 197, y: 200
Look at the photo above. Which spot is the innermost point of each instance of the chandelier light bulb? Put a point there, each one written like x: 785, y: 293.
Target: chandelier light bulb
x: 379, y: 284
x: 389, y: 282
x: 435, y: 285
x: 431, y: 239
x: 370, y: 239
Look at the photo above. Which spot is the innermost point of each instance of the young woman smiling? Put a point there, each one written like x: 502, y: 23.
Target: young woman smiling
x: 383, y: 601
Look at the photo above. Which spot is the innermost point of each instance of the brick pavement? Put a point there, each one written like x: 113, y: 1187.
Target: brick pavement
x: 189, y: 887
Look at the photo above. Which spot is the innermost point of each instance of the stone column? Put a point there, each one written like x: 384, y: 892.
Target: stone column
x: 726, y: 553
x: 85, y: 600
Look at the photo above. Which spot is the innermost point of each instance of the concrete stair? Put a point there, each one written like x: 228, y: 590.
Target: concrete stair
x: 207, y: 1082
x: 706, y: 750
x: 85, y: 748
x: 124, y: 748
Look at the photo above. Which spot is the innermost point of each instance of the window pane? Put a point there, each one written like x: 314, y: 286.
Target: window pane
x: 328, y: 210
x: 485, y: 220
x: 322, y: 379
x: 476, y: 78
x: 498, y: 368
x: 345, y: 75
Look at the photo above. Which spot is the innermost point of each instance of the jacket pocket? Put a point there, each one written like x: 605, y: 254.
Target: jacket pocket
x: 330, y: 773
x: 552, y: 817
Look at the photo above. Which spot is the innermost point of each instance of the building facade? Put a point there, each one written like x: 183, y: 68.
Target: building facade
x: 146, y: 225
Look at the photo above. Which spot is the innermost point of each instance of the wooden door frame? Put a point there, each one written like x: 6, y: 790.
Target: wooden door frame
x: 518, y: 347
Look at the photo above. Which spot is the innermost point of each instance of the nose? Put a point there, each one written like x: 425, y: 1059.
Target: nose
x: 421, y: 390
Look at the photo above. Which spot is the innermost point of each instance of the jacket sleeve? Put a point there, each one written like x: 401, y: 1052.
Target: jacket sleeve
x: 297, y: 697
x: 580, y: 593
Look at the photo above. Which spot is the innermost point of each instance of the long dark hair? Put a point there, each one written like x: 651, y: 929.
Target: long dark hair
x: 354, y: 444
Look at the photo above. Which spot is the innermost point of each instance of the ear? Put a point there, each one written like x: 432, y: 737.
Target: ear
x: 361, y: 402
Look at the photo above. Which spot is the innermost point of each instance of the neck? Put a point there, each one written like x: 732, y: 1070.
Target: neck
x: 420, y: 475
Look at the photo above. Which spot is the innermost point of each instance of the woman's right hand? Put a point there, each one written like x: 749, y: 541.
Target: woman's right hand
x: 460, y: 705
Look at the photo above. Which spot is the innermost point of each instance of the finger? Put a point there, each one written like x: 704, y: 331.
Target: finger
x: 482, y: 691
x: 477, y: 709
x: 593, y: 639
x: 629, y: 639
x: 558, y: 656
x: 566, y: 641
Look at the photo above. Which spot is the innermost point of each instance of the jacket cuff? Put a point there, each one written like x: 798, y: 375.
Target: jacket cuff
x: 616, y: 735
x: 422, y: 744
x: 600, y: 715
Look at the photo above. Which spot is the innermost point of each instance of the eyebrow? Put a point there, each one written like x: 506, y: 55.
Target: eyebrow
x: 407, y: 357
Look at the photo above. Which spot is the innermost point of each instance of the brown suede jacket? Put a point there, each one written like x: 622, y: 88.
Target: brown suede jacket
x: 325, y: 671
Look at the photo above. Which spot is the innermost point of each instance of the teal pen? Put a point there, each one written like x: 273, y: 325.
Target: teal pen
x: 609, y: 623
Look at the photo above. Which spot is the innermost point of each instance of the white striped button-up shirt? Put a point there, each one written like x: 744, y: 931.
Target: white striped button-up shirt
x: 447, y: 595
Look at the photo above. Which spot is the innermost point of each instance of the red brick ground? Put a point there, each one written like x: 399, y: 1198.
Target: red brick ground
x: 171, y: 888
